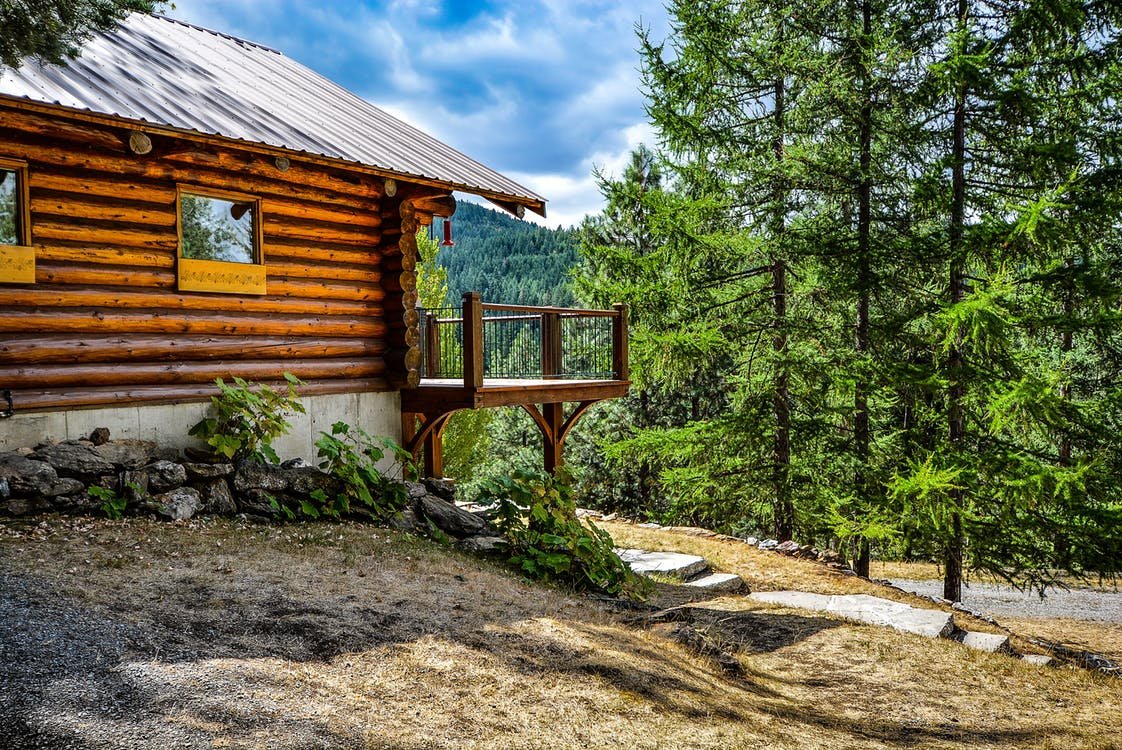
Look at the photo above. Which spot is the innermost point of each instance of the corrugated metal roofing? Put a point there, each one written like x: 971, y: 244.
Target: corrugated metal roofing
x: 166, y: 72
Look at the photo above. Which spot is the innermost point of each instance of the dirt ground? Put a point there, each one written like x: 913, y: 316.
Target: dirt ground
x: 140, y: 634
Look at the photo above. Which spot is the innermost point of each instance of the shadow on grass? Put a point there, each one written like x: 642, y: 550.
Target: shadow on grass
x: 59, y: 659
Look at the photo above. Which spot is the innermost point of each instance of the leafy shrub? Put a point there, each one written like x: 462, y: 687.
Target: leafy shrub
x: 547, y: 540
x: 113, y: 503
x: 248, y: 418
x: 350, y: 454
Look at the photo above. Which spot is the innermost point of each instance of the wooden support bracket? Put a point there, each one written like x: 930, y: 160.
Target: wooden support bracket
x: 554, y: 426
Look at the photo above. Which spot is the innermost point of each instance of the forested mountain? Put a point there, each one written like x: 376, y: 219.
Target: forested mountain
x: 505, y: 259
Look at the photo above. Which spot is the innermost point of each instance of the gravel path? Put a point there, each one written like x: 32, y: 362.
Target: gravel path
x: 997, y: 600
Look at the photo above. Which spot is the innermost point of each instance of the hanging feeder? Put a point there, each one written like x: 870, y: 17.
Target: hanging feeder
x: 448, y: 234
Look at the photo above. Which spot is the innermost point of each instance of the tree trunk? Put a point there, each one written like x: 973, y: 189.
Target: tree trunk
x: 956, y: 433
x: 781, y: 458
x: 861, y: 434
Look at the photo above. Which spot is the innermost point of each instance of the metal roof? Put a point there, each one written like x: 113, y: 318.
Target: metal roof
x: 165, y: 72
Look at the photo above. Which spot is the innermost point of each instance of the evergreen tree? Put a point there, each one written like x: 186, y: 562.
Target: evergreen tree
x: 53, y: 30
x: 1023, y: 120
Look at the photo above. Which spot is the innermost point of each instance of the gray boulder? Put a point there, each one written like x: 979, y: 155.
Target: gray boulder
x: 307, y: 479
x: 100, y: 436
x: 26, y: 477
x: 65, y: 486
x: 208, y: 471
x: 445, y: 489
x: 449, y: 518
x: 217, y: 498
x: 258, y: 503
x: 179, y: 505
x: 251, y: 476
x: 164, y: 476
x: 482, y: 544
x: 22, y: 506
x: 134, y: 485
x: 127, y: 454
x: 74, y: 458
x: 405, y: 520
x: 415, y: 490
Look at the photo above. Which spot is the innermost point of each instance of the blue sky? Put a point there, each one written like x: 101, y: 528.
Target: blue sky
x: 541, y: 90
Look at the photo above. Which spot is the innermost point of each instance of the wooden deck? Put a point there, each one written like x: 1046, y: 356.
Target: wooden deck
x: 426, y: 408
x: 437, y: 394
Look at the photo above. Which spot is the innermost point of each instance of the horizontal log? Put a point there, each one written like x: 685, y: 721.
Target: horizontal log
x: 285, y: 287
x: 42, y: 400
x: 63, y: 349
x: 436, y: 205
x: 338, y: 272
x: 86, y: 164
x: 113, y: 141
x: 302, y: 251
x: 49, y: 182
x: 38, y: 320
x: 178, y: 373
x: 298, y: 173
x: 170, y: 301
x: 46, y: 229
x: 106, y: 256
x: 76, y: 275
x: 321, y: 245
x: 58, y: 206
x: 63, y: 130
x: 323, y: 212
x: 287, y: 229
x: 45, y: 179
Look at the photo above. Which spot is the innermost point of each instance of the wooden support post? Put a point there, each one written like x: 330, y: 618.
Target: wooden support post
x: 620, y: 367
x: 473, y: 341
x: 408, y: 427
x: 434, y: 451
x: 553, y: 443
x: 551, y: 345
x: 432, y: 346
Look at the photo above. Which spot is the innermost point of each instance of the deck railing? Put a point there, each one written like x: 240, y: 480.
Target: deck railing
x: 483, y: 340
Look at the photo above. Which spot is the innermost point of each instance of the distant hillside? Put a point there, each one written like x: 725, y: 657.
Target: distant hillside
x: 507, y: 260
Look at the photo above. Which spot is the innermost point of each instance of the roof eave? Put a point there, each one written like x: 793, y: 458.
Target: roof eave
x: 507, y: 201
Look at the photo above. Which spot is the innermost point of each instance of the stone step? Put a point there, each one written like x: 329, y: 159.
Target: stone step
x: 669, y: 564
x: 991, y: 642
x: 930, y: 623
x: 1040, y: 660
x: 724, y: 582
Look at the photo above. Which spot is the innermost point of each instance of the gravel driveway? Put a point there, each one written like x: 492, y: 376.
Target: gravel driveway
x: 997, y: 600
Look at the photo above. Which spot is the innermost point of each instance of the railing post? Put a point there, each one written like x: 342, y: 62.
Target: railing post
x: 551, y: 345
x: 620, y: 367
x: 432, y: 346
x: 473, y: 340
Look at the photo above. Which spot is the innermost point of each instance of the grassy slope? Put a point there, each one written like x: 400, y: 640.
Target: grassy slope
x: 344, y: 636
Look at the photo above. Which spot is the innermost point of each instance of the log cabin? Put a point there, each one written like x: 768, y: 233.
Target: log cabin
x: 179, y: 205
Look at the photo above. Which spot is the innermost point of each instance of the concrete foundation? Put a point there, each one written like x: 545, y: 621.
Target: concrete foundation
x: 167, y: 424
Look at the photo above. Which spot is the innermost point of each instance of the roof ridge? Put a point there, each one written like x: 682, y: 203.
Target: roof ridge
x: 224, y: 35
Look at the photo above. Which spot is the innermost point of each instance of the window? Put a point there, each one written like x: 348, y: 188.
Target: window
x: 17, y: 258
x: 220, y: 243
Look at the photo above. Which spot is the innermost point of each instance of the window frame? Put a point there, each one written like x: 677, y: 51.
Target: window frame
x: 221, y: 276
x: 17, y: 262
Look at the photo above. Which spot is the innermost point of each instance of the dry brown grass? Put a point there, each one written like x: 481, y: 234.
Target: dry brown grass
x: 345, y: 636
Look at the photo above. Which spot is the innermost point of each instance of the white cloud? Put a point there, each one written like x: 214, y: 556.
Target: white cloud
x: 541, y: 90
x: 572, y: 197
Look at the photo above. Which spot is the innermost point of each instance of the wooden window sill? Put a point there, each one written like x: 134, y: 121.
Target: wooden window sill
x: 17, y: 264
x: 221, y: 276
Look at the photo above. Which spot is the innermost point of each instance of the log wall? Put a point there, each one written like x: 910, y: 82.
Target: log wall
x: 105, y: 321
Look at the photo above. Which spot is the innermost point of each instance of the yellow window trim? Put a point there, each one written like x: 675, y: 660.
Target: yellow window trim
x: 196, y: 275
x: 17, y: 262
